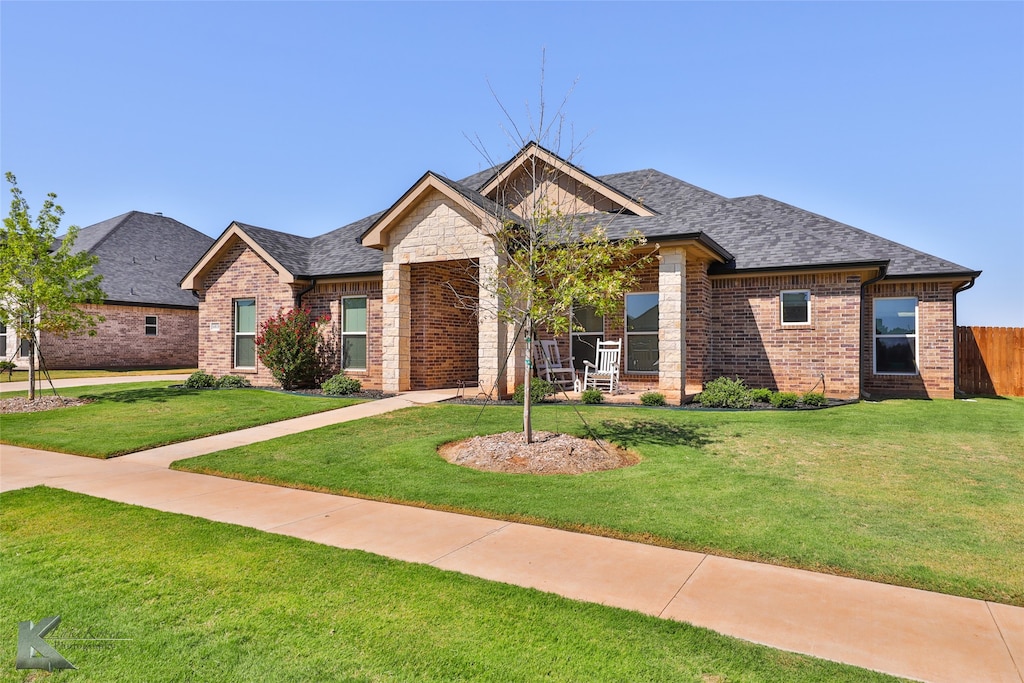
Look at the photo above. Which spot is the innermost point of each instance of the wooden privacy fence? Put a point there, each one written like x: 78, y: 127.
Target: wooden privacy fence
x: 990, y: 360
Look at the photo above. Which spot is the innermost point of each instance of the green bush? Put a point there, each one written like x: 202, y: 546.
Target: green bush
x: 200, y: 380
x: 233, y: 382
x: 539, y: 390
x: 814, y: 398
x: 7, y: 366
x: 761, y: 395
x: 289, y: 344
x: 785, y: 399
x: 725, y: 393
x: 339, y: 385
x: 592, y: 396
x: 652, y: 398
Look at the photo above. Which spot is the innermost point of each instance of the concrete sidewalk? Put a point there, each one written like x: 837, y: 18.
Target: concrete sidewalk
x: 44, y: 388
x: 901, y: 631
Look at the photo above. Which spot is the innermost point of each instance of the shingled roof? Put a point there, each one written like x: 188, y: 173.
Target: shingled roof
x: 754, y: 233
x: 142, y: 258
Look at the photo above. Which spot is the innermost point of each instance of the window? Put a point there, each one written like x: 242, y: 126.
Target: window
x: 796, y: 307
x: 588, y: 328
x: 245, y: 333
x: 642, y: 332
x: 3, y: 341
x: 150, y: 325
x: 896, y: 336
x: 353, y: 333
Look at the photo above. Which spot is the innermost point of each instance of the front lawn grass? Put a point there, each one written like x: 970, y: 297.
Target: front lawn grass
x: 131, y: 417
x: 925, y: 494
x: 205, y: 601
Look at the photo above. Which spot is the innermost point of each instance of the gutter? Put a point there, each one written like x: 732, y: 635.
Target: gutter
x: 956, y: 351
x: 863, y: 288
x: 307, y: 290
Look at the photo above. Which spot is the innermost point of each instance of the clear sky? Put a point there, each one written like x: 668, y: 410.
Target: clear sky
x: 905, y: 119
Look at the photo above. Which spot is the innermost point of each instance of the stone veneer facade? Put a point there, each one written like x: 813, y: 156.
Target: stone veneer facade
x: 121, y: 340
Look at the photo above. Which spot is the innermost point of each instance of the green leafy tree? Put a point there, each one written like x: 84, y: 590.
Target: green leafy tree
x: 43, y: 282
x: 290, y: 345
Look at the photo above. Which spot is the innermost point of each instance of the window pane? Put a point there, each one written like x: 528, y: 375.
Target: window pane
x: 354, y: 353
x: 584, y: 347
x: 895, y: 316
x: 643, y: 353
x: 245, y: 316
x: 585, y: 320
x: 26, y: 348
x: 795, y: 307
x: 641, y: 312
x: 245, y: 352
x: 895, y: 354
x: 354, y: 317
x: 150, y: 325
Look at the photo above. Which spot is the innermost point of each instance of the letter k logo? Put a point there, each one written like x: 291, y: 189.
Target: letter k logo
x: 36, y: 653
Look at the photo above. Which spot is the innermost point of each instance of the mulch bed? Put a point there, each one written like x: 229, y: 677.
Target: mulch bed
x: 550, y: 453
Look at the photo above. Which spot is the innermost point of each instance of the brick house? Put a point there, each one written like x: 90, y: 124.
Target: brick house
x: 149, y: 320
x: 748, y: 287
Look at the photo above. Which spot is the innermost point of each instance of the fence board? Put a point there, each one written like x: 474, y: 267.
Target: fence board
x: 990, y: 360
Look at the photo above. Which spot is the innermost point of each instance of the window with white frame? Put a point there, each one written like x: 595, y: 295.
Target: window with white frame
x: 642, y: 332
x: 795, y: 307
x: 150, y: 325
x: 353, y: 333
x: 895, y: 336
x: 587, y: 330
x: 245, y: 333
x: 3, y: 340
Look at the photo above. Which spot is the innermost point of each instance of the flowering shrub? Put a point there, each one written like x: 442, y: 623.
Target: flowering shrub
x: 289, y: 344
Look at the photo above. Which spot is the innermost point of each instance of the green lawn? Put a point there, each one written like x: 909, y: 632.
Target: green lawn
x: 926, y: 494
x: 130, y: 417
x: 204, y: 601
x: 22, y: 375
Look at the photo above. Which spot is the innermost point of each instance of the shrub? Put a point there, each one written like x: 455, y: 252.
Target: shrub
x: 784, y: 399
x: 289, y: 345
x: 8, y: 367
x: 652, y: 398
x: 233, y: 382
x: 339, y: 385
x: 200, y: 380
x: 725, y: 393
x: 814, y: 398
x: 761, y: 395
x: 539, y: 390
x: 592, y: 396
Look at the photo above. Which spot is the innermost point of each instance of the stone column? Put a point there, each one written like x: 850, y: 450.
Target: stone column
x: 395, y: 327
x: 672, y: 323
x: 492, y: 342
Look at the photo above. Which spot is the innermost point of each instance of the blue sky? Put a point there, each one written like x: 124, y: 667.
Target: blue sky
x: 904, y: 119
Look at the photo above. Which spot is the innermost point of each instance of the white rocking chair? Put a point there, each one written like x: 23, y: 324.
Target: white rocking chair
x: 549, y: 365
x: 606, y: 371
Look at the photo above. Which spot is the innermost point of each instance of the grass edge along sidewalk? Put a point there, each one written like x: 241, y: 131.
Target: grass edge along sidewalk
x: 911, y: 493
x: 203, y: 600
x: 124, y: 418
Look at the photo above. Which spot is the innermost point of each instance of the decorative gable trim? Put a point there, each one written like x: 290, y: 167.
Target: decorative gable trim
x: 533, y: 150
x: 227, y: 239
x: 377, y: 235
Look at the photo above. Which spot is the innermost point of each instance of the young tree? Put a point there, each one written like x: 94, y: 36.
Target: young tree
x: 42, y: 280
x: 551, y: 258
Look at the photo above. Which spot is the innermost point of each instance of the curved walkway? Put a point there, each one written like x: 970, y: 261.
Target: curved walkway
x: 911, y: 633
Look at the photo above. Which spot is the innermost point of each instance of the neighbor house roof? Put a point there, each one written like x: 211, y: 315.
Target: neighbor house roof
x: 142, y: 257
x: 752, y: 234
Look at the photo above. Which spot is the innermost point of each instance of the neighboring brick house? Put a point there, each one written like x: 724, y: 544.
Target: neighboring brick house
x: 748, y: 287
x: 149, y: 320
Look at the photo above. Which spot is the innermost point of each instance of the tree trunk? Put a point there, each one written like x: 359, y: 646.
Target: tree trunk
x: 527, y: 403
x: 31, y: 367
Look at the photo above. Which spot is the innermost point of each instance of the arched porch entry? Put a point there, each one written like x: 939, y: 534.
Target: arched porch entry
x: 443, y: 324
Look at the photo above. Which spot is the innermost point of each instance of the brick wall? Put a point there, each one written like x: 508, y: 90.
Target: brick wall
x: 444, y: 332
x: 935, y: 334
x: 698, y: 325
x: 749, y: 341
x: 121, y: 340
x: 326, y: 298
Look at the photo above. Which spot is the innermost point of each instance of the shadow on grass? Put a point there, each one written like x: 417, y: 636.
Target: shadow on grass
x: 654, y: 432
x: 160, y: 395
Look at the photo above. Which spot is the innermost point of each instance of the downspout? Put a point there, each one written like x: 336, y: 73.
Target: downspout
x: 956, y: 337
x: 882, y: 270
x: 307, y: 290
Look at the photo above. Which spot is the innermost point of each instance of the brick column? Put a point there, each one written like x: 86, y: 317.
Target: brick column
x: 395, y: 332
x: 672, y: 323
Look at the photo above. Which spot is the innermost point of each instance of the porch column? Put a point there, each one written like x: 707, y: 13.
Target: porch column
x: 395, y: 328
x: 672, y: 323
x: 492, y: 342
